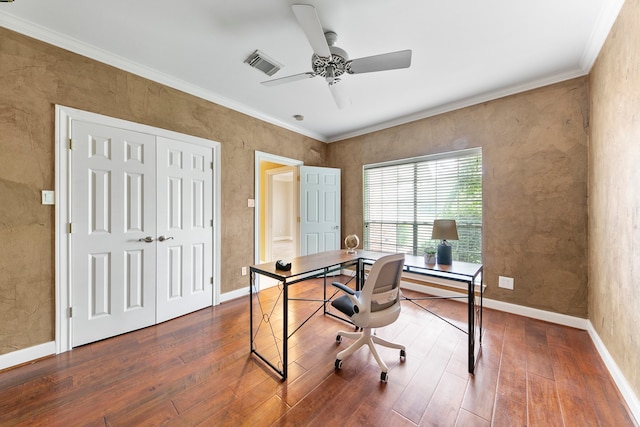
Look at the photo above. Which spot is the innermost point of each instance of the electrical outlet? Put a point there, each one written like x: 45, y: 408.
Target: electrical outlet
x: 505, y: 282
x: 244, y: 271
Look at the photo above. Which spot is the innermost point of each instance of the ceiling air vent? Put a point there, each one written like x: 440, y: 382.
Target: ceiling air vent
x: 263, y: 63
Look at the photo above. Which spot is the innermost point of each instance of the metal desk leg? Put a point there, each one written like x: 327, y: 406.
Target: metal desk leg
x: 285, y: 330
x: 472, y: 329
x: 251, y: 279
x: 481, y: 301
x: 324, y: 295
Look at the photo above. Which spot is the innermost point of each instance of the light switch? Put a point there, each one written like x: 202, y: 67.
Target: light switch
x: 251, y: 203
x: 48, y: 197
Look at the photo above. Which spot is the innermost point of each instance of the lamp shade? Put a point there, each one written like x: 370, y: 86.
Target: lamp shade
x: 444, y: 229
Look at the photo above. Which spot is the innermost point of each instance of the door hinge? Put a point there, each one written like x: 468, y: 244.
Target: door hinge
x: 211, y: 280
x: 211, y: 222
x: 70, y: 144
x: 70, y: 312
x: 70, y: 228
x: 298, y: 219
x: 211, y: 165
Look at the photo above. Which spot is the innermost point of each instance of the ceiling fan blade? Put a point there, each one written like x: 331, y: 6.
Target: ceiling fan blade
x: 288, y: 79
x: 339, y: 94
x: 386, y: 61
x: 310, y: 23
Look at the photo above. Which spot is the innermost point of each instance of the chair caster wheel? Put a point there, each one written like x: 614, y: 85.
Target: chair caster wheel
x: 339, y: 339
x: 403, y: 355
x: 384, y: 377
x: 338, y: 364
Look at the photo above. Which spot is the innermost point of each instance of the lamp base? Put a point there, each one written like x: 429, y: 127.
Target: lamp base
x: 444, y: 254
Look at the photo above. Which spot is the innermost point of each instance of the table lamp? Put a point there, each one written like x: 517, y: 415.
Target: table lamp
x: 444, y: 229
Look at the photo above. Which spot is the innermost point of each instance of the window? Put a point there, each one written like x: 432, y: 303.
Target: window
x: 402, y: 198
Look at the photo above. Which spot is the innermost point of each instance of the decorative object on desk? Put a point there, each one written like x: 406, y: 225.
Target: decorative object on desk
x: 430, y: 257
x: 444, y: 229
x: 351, y: 242
x: 283, y: 265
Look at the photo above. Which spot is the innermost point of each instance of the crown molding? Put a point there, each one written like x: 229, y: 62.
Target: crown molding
x: 81, y: 48
x: 606, y: 18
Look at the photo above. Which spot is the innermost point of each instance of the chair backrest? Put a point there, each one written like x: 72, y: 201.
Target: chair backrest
x: 380, y: 296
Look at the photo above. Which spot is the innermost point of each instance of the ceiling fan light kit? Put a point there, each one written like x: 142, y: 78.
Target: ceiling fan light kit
x: 331, y: 62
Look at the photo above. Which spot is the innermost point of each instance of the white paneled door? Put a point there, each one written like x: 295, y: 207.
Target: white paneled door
x: 184, y: 228
x: 113, y: 268
x: 319, y: 209
x: 141, y: 238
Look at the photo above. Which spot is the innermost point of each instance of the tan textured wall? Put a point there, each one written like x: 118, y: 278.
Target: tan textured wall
x: 534, y: 148
x: 614, y: 194
x: 35, y: 77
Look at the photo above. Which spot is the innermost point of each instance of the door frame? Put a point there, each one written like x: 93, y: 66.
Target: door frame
x: 63, y: 117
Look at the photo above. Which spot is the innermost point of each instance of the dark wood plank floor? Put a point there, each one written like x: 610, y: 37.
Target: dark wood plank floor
x: 197, y: 370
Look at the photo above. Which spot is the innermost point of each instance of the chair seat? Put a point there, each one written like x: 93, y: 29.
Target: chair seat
x: 345, y: 304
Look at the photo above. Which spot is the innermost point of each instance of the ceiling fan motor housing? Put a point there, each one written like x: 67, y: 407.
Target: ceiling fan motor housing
x: 334, y: 66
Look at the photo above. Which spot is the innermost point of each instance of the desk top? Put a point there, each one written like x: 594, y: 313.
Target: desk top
x: 413, y: 263
x: 308, y: 263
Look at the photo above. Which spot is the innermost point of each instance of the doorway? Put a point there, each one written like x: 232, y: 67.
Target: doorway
x: 315, y: 207
x: 281, y: 214
x: 274, y: 169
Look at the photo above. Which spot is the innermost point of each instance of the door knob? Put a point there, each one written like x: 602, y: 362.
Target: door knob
x: 162, y: 238
x: 147, y: 239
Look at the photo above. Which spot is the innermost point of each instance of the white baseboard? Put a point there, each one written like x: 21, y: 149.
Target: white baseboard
x: 534, y: 313
x: 625, y: 389
x: 228, y: 296
x: 27, y: 355
x: 561, y: 319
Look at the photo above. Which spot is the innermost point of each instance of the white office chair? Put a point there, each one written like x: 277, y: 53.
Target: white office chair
x: 377, y: 305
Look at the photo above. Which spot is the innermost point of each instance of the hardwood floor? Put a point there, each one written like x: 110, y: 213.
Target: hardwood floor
x: 197, y: 370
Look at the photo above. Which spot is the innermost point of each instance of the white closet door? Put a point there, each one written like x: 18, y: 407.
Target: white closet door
x: 184, y: 216
x: 319, y: 209
x: 113, y: 271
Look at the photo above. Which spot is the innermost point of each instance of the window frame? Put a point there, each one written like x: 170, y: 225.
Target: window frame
x: 469, y: 227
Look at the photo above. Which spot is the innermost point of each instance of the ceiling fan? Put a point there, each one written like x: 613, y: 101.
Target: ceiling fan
x: 331, y: 62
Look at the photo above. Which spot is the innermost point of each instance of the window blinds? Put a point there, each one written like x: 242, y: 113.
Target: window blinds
x: 401, y: 200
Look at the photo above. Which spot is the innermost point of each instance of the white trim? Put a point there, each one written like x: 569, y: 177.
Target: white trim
x: 62, y: 207
x: 27, y: 355
x: 238, y: 293
x: 533, y: 313
x: 81, y: 48
x: 62, y: 187
x: 561, y: 319
x: 606, y: 20
x: 625, y: 389
x: 217, y: 222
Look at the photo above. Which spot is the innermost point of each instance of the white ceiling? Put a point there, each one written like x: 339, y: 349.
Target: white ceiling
x: 464, y: 51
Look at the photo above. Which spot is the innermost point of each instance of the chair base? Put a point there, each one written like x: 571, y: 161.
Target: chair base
x: 366, y: 337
